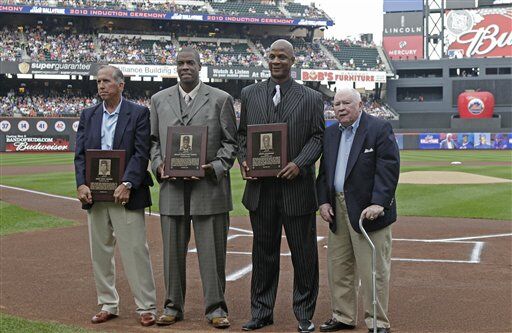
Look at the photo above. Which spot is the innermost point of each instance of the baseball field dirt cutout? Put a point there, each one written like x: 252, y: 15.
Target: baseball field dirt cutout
x: 447, y: 177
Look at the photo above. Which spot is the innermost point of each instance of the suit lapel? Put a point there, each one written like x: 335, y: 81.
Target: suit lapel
x: 174, y: 102
x: 260, y: 98
x: 357, y: 144
x: 122, y: 121
x: 96, y: 121
x: 292, y: 98
x: 200, y: 100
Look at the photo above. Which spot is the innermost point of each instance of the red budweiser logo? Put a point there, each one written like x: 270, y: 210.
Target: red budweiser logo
x: 485, y: 40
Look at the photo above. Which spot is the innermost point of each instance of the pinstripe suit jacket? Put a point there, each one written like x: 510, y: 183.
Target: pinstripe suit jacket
x: 302, y: 111
x: 213, y: 108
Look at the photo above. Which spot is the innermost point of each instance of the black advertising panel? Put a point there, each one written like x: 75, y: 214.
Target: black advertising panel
x: 403, y: 24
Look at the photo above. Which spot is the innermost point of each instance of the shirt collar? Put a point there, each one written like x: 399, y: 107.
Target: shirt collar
x: 116, y: 110
x: 192, y: 93
x: 285, y: 86
x: 355, y: 125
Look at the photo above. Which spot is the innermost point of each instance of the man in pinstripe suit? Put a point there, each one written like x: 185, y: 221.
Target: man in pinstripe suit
x: 290, y: 200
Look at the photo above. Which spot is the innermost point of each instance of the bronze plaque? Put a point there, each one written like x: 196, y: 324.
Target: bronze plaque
x: 186, y: 151
x: 266, y: 149
x: 104, y: 170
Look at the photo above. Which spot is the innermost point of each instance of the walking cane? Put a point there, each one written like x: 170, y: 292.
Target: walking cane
x: 374, y: 283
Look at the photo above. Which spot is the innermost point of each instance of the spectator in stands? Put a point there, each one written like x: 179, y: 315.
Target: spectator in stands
x: 122, y: 220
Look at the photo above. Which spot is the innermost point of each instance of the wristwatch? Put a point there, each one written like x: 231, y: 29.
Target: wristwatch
x: 128, y: 185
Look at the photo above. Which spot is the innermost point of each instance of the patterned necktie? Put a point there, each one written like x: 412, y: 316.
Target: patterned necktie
x: 277, y: 95
x: 188, y: 99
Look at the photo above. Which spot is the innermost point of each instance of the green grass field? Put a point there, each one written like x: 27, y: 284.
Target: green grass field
x: 487, y: 201
x: 16, y: 219
x: 10, y: 324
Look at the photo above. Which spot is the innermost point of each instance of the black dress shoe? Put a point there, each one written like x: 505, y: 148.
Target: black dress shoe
x: 380, y: 330
x: 306, y: 326
x: 333, y: 325
x: 256, y: 323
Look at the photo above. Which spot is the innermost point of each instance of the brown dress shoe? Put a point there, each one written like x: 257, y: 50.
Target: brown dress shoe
x: 102, y: 317
x: 165, y: 320
x: 220, y: 322
x: 147, y: 319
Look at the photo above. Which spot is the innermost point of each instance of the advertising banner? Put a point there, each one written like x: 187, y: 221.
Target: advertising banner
x: 479, y: 33
x: 339, y: 75
x: 403, y: 47
x: 403, y: 5
x: 166, y: 71
x: 243, y: 73
x: 403, y: 24
x: 37, y: 143
x: 121, y: 13
x: 10, y: 67
x: 429, y: 140
x: 465, y: 141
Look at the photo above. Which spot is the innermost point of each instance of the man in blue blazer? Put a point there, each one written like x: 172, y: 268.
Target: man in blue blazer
x: 117, y: 124
x: 357, y: 179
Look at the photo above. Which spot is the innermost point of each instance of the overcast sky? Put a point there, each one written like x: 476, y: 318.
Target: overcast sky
x: 352, y: 18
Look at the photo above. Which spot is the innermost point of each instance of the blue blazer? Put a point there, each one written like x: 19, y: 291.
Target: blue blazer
x: 372, y: 171
x: 131, y: 135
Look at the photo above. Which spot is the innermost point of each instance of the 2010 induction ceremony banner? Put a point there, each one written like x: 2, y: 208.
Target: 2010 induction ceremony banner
x: 480, y: 33
x: 154, y: 15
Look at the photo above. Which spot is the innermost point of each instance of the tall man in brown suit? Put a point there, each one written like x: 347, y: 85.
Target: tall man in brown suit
x: 206, y: 201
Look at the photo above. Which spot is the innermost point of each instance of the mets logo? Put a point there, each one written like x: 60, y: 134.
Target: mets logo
x: 476, y: 106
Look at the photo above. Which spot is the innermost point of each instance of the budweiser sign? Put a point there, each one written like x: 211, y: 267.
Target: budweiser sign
x: 479, y: 33
x: 24, y: 143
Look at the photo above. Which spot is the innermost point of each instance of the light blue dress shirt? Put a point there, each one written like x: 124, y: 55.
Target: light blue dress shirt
x: 347, y: 138
x: 108, y: 126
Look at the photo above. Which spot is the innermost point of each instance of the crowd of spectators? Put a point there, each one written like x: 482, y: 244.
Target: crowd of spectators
x: 67, y: 46
x: 55, y: 104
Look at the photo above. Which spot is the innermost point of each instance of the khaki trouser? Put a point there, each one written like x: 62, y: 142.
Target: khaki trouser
x: 110, y: 223
x: 348, y: 260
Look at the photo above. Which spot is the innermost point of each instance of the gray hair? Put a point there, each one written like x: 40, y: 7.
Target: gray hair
x: 117, y: 74
x: 355, y: 94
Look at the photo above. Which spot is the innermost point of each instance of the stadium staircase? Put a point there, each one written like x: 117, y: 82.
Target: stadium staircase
x: 331, y: 56
x: 390, y: 70
x: 255, y: 50
x: 283, y: 10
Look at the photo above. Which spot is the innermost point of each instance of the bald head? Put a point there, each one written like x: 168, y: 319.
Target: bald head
x: 190, y: 50
x: 283, y: 44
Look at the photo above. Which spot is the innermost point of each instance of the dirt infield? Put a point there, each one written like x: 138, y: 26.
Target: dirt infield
x: 456, y: 281
x: 447, y: 177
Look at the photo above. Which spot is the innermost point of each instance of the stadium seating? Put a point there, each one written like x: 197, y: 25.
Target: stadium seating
x: 354, y: 56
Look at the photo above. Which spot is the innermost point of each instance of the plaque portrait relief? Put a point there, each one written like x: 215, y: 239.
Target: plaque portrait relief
x: 186, y: 144
x: 266, y: 149
x: 105, y: 167
x: 266, y: 143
